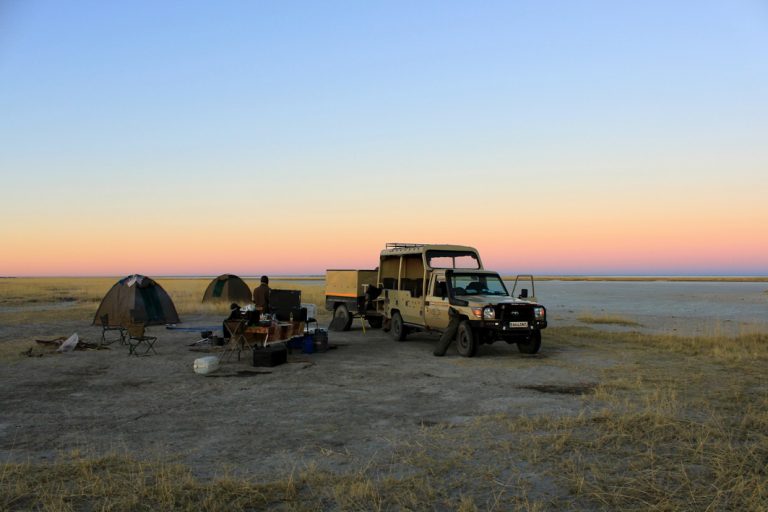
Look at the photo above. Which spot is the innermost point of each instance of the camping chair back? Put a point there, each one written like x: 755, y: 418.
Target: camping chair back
x: 137, y: 337
x: 136, y: 330
x: 106, y: 327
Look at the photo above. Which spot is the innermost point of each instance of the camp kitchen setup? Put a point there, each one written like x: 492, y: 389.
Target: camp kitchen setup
x: 268, y: 336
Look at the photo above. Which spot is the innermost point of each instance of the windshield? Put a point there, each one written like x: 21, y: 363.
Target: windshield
x: 477, y: 284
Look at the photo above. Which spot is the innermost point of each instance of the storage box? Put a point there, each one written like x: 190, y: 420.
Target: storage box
x: 206, y: 364
x: 270, y: 356
x: 321, y: 340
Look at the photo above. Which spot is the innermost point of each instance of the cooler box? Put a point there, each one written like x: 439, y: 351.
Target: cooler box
x: 206, y: 364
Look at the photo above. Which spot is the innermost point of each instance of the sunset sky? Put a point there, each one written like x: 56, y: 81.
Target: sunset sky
x: 197, y: 137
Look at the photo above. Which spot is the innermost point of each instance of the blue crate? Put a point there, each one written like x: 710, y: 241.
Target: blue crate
x: 308, y: 344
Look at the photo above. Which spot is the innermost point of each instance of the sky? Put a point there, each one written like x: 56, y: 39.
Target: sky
x: 198, y: 138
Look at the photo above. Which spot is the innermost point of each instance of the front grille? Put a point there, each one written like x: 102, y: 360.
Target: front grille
x: 514, y: 313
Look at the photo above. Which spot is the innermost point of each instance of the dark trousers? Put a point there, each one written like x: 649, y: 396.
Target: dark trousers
x: 449, y: 334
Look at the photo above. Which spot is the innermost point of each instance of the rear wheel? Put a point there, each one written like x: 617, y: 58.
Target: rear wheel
x: 466, y: 343
x: 532, y: 345
x: 375, y: 322
x: 342, y: 319
x: 398, y: 329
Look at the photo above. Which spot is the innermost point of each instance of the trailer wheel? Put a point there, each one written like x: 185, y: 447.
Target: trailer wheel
x: 398, y: 329
x: 342, y: 319
x: 466, y: 343
x: 532, y: 345
x: 375, y: 322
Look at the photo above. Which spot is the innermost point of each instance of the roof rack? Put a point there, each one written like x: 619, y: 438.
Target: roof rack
x: 399, y: 245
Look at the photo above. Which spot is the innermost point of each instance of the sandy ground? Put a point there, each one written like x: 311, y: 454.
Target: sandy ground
x: 341, y: 409
x: 356, y: 400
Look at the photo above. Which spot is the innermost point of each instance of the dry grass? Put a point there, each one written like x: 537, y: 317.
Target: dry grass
x: 121, y: 482
x: 607, y: 319
x: 682, y: 425
x: 25, y: 300
x: 745, y: 348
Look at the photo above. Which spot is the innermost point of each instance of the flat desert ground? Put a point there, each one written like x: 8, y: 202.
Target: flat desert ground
x: 645, y: 396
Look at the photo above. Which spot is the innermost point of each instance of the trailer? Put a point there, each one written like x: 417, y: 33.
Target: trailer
x: 347, y: 298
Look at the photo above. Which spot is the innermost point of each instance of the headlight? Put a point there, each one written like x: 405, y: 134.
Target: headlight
x: 539, y: 313
x: 489, y: 313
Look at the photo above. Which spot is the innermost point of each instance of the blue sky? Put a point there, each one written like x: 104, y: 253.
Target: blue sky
x: 599, y: 108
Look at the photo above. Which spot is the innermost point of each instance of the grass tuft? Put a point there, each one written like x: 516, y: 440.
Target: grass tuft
x: 607, y: 319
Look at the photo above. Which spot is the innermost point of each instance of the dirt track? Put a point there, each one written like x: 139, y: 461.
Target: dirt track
x: 339, y: 409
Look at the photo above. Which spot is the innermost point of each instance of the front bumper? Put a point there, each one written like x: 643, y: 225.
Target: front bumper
x: 504, y: 326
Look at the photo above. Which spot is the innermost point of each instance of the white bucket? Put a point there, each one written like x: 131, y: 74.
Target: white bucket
x: 206, y: 364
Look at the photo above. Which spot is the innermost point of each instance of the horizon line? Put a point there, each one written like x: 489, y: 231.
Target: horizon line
x: 548, y: 276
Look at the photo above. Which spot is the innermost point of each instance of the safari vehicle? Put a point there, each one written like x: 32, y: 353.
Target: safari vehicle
x: 419, y: 283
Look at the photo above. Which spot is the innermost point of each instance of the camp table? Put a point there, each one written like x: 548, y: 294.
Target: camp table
x: 279, y: 332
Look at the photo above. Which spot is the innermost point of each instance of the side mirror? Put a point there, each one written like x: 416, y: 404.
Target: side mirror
x: 443, y: 293
x: 523, y: 293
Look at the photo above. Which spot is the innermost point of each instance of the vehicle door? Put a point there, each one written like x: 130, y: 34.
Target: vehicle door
x: 436, y: 303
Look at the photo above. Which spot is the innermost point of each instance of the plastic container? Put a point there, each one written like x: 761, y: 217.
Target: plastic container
x: 309, y: 344
x: 206, y: 364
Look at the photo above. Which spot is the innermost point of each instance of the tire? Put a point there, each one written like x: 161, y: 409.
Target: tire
x: 532, y: 345
x: 375, y: 322
x: 342, y: 319
x: 397, y: 329
x: 466, y: 343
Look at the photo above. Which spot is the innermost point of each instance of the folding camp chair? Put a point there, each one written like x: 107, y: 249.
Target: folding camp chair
x: 105, y: 328
x: 237, y: 338
x: 137, y: 338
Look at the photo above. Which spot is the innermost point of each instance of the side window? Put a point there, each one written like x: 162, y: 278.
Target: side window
x: 440, y: 289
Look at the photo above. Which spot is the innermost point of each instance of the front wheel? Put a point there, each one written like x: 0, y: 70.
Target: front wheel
x: 531, y: 345
x: 398, y: 329
x: 466, y: 343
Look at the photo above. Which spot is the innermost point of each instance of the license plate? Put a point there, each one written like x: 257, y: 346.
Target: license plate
x: 518, y: 324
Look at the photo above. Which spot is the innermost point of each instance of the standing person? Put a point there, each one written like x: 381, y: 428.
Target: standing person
x: 261, y: 295
x: 449, y: 334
